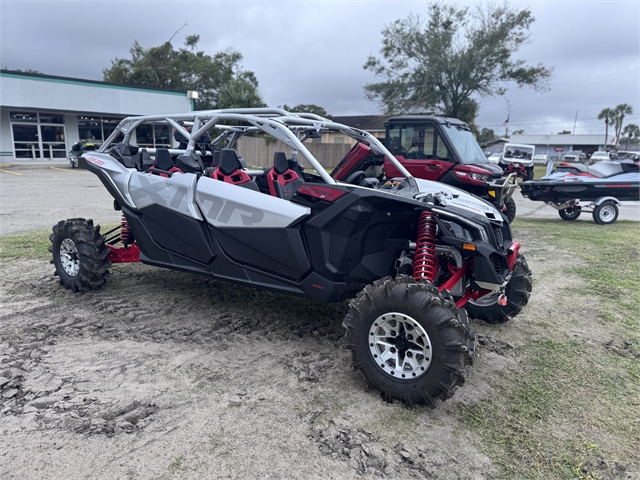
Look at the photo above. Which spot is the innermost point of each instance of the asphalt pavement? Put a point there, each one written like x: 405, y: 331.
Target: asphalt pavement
x: 35, y: 195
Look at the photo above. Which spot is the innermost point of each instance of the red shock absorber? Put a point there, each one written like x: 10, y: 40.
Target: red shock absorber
x: 424, y: 261
x: 125, y: 233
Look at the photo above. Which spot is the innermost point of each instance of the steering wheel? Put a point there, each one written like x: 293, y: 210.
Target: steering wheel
x: 356, y: 177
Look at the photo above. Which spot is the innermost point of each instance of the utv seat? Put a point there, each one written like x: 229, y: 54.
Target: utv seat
x: 229, y: 170
x: 131, y: 157
x: 164, y: 162
x: 282, y: 179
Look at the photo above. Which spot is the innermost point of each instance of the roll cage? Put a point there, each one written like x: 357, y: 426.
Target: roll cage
x: 290, y: 128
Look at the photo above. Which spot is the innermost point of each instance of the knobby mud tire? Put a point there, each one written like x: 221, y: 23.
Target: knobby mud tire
x: 518, y: 291
x: 510, y: 209
x: 79, y: 255
x: 447, y: 328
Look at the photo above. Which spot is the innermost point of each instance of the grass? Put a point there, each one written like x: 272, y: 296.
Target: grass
x: 30, y: 245
x: 26, y: 245
x: 570, y: 409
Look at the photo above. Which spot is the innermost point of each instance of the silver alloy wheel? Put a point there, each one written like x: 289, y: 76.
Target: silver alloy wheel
x: 607, y: 213
x: 400, y: 346
x: 69, y: 257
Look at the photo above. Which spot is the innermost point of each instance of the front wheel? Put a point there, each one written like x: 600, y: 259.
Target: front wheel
x: 570, y: 213
x: 409, y: 340
x: 79, y: 254
x: 528, y: 174
x: 517, y: 291
x: 509, y: 209
x: 606, y: 213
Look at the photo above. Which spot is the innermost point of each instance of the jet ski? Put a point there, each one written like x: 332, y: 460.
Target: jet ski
x: 600, y: 187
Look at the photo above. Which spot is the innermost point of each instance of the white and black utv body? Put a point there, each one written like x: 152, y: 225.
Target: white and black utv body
x: 414, y: 253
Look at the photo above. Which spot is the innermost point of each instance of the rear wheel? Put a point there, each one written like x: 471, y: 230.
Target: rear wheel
x: 409, y: 340
x: 570, y: 213
x: 79, y: 254
x: 517, y: 291
x: 605, y: 213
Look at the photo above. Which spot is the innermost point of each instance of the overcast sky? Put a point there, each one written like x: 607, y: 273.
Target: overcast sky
x: 313, y: 51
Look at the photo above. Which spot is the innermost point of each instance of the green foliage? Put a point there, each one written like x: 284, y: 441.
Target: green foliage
x: 619, y: 113
x: 17, y: 70
x: 486, y: 135
x: 306, y: 108
x: 564, y: 132
x: 459, y: 53
x: 631, y: 133
x: 218, y: 79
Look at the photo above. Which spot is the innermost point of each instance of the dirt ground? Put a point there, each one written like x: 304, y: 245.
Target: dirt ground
x: 169, y: 375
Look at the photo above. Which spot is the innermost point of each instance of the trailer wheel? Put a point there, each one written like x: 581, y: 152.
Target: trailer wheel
x: 409, y: 340
x: 606, y: 213
x: 571, y: 213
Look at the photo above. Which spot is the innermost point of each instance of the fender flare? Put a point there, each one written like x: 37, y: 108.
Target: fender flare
x: 601, y: 200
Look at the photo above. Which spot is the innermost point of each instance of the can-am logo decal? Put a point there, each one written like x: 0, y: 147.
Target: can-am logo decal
x: 95, y: 161
x: 222, y: 210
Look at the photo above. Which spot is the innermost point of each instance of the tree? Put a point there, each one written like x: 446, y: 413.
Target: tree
x: 218, y: 79
x: 459, y: 53
x: 485, y: 136
x: 606, y: 115
x: 631, y: 132
x: 565, y: 132
x: 518, y: 132
x: 28, y: 70
x: 618, y: 118
x: 306, y: 108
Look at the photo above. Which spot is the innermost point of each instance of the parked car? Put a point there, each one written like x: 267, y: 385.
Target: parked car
x: 599, y: 156
x: 574, y: 156
x: 623, y: 154
x: 494, y: 158
x: 541, y: 159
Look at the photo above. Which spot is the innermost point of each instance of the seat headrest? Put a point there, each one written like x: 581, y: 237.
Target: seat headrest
x: 280, y: 163
x: 216, y: 158
x: 229, y: 161
x: 163, y: 159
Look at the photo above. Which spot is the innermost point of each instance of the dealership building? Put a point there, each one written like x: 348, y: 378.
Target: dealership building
x: 42, y: 116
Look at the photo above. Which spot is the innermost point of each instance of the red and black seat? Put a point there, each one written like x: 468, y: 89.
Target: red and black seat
x: 229, y: 170
x: 282, y: 179
x: 164, y: 162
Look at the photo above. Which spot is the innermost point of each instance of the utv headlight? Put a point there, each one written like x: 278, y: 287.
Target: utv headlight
x: 481, y: 232
x: 479, y: 176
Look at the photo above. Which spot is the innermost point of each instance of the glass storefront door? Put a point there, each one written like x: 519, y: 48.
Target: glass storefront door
x: 38, y: 135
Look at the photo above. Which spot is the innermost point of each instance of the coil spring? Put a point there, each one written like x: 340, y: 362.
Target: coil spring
x: 424, y: 260
x: 125, y: 233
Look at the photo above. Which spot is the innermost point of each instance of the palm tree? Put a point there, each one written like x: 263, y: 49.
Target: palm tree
x: 618, y: 116
x: 632, y: 132
x: 606, y: 115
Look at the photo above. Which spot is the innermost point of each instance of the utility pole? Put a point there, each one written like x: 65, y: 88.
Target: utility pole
x: 574, y: 123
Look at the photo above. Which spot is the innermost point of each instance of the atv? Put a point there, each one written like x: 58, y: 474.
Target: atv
x: 414, y: 256
x: 440, y: 149
x: 78, y: 149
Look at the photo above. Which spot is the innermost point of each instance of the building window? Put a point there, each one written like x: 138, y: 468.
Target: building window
x: 38, y: 135
x: 338, y: 139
